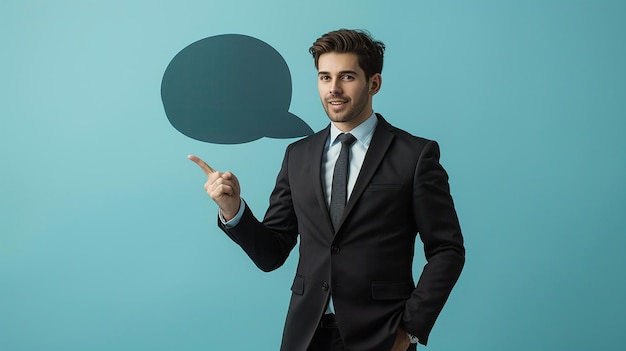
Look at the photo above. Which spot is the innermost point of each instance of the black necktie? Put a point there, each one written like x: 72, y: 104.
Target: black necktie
x: 339, y: 190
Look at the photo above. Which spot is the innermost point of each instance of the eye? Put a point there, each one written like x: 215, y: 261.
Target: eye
x: 324, y: 78
x: 348, y: 77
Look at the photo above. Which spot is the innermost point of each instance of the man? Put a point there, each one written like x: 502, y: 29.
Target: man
x: 353, y: 288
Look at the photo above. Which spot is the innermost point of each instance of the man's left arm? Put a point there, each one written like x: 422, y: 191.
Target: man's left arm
x: 439, y: 229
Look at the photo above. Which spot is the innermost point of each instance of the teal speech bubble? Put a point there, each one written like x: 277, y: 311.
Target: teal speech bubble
x: 230, y: 89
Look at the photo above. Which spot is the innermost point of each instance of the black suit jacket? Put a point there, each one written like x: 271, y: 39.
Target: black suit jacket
x: 366, y: 263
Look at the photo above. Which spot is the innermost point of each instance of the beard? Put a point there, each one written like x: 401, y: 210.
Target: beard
x: 351, y: 110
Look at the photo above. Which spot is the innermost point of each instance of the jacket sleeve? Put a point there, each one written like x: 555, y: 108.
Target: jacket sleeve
x: 269, y: 243
x: 439, y: 230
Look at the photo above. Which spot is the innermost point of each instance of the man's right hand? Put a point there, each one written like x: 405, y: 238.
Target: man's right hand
x: 402, y: 341
x: 223, y: 188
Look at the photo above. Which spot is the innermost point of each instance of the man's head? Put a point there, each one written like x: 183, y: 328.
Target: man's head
x: 369, y: 51
x: 348, y: 66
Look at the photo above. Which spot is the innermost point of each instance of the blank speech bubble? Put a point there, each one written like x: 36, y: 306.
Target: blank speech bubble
x: 230, y: 89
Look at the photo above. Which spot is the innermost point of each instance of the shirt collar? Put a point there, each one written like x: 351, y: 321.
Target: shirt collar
x: 363, y: 132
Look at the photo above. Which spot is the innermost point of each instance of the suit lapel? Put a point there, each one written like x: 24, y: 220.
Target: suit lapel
x: 375, y: 153
x: 316, y: 154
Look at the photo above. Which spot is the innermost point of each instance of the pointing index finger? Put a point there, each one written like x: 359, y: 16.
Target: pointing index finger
x: 205, y: 167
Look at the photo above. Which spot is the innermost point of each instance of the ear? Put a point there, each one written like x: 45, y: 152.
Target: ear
x: 376, y: 82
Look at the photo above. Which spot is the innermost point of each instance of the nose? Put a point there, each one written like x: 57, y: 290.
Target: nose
x: 335, y: 88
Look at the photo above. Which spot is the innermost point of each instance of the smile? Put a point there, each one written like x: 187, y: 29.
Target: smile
x: 335, y: 102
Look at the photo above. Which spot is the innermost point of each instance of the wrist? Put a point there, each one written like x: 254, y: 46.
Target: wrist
x: 230, y: 212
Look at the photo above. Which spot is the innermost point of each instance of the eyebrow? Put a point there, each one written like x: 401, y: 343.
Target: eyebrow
x: 340, y: 73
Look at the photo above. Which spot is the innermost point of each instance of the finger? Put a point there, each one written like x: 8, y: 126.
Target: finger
x: 228, y: 175
x: 205, y: 167
x: 220, y: 190
x: 221, y: 186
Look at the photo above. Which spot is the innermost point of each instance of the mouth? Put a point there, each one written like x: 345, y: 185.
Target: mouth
x: 336, y: 102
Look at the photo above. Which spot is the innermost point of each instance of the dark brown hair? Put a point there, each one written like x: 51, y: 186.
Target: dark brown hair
x: 359, y: 42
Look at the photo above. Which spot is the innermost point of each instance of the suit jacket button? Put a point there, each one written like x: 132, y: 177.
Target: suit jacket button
x: 325, y: 286
x: 335, y: 249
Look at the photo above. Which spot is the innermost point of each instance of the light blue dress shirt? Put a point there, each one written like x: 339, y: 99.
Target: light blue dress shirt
x: 363, y: 134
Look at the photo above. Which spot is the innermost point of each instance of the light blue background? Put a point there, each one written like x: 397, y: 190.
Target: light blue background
x: 108, y: 242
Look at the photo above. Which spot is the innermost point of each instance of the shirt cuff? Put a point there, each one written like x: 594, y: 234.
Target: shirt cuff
x: 412, y: 338
x: 235, y: 220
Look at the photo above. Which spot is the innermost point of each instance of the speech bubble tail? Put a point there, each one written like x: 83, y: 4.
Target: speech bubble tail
x: 291, y: 126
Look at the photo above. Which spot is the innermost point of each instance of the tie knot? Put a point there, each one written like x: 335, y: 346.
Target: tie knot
x: 347, y: 139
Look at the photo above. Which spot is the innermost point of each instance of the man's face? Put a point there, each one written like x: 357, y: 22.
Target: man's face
x: 345, y: 92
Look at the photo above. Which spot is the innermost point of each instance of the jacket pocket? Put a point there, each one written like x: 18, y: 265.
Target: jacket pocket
x: 298, y: 285
x: 392, y: 290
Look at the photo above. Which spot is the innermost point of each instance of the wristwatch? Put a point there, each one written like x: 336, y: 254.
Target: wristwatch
x: 413, y: 339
